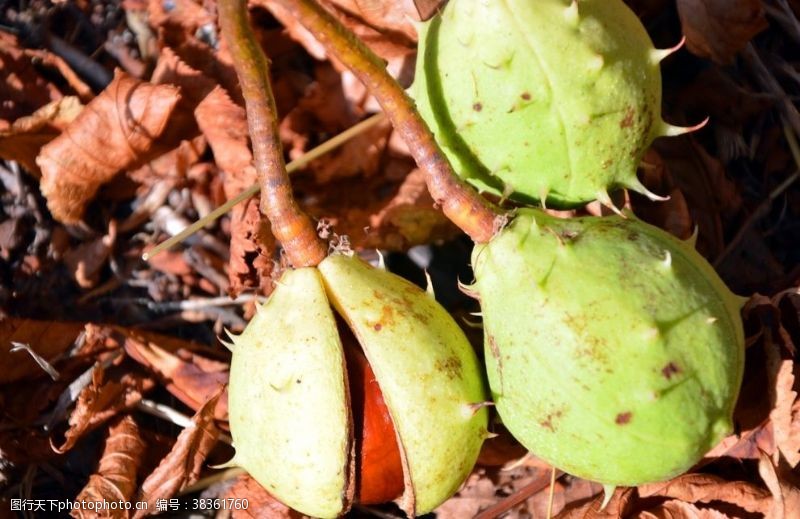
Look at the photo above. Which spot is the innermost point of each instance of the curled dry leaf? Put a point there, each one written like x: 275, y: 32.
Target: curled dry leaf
x: 409, y: 218
x: 190, y: 377
x: 785, y: 492
x: 23, y: 140
x: 680, y: 510
x: 386, y: 27
x: 115, y: 478
x: 259, y: 502
x: 720, y: 28
x: 619, y: 507
x: 184, y: 13
x: 47, y: 338
x: 182, y: 465
x: 22, y: 89
x: 107, y: 395
x: 224, y: 124
x: 709, y: 194
x: 391, y: 18
x: 87, y: 259
x: 705, y: 488
x: 115, y: 131
x: 770, y: 420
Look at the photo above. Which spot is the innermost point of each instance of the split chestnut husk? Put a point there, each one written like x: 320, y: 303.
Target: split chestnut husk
x: 289, y: 396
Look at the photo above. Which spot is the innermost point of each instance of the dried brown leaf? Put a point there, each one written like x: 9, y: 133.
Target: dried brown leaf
x: 477, y: 493
x: 181, y: 467
x: 115, y: 131
x: 87, y: 259
x: 385, y: 27
x: 785, y: 494
x: 718, y: 29
x: 618, y: 508
x: 783, y: 414
x: 23, y: 140
x: 709, y: 194
x: 680, y: 510
x: 387, y: 17
x: 49, y: 59
x: 190, y: 377
x: 47, y: 338
x: 187, y: 14
x: 427, y: 8
x: 705, y: 488
x: 224, y: 124
x: 259, y: 502
x: 107, y: 395
x: 115, y: 478
x: 22, y: 89
x: 409, y: 218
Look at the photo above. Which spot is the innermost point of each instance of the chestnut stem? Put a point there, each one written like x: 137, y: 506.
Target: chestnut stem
x: 475, y: 215
x: 290, y: 225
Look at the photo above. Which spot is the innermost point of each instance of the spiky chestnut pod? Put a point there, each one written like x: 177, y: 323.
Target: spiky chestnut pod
x: 289, y: 409
x: 536, y: 99
x: 614, y: 351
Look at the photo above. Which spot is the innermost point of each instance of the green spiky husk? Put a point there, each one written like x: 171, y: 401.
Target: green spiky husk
x: 614, y: 351
x: 544, y: 98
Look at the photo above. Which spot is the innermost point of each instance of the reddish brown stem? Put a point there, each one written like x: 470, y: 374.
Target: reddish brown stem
x: 460, y: 202
x: 292, y: 228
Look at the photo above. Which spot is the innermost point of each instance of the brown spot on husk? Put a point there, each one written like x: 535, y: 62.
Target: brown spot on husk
x: 451, y: 367
x: 526, y: 96
x: 623, y: 418
x: 627, y: 121
x: 477, y: 107
x: 669, y: 370
x: 548, y: 422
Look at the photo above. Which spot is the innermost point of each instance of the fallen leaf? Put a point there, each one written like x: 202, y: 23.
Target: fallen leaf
x: 22, y: 89
x: 705, y: 488
x: 115, y: 478
x: 618, y: 508
x: 783, y: 415
x: 181, y: 467
x: 390, y: 18
x: 477, y: 493
x: 49, y: 59
x: 259, y: 502
x: 679, y: 510
x: 187, y: 14
x: 87, y: 259
x: 385, y: 27
x: 47, y: 338
x: 107, y: 395
x: 224, y: 124
x: 191, y: 378
x: 718, y: 29
x: 786, y: 495
x: 427, y: 8
x: 708, y: 192
x: 115, y: 131
x: 409, y: 218
x: 23, y: 140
